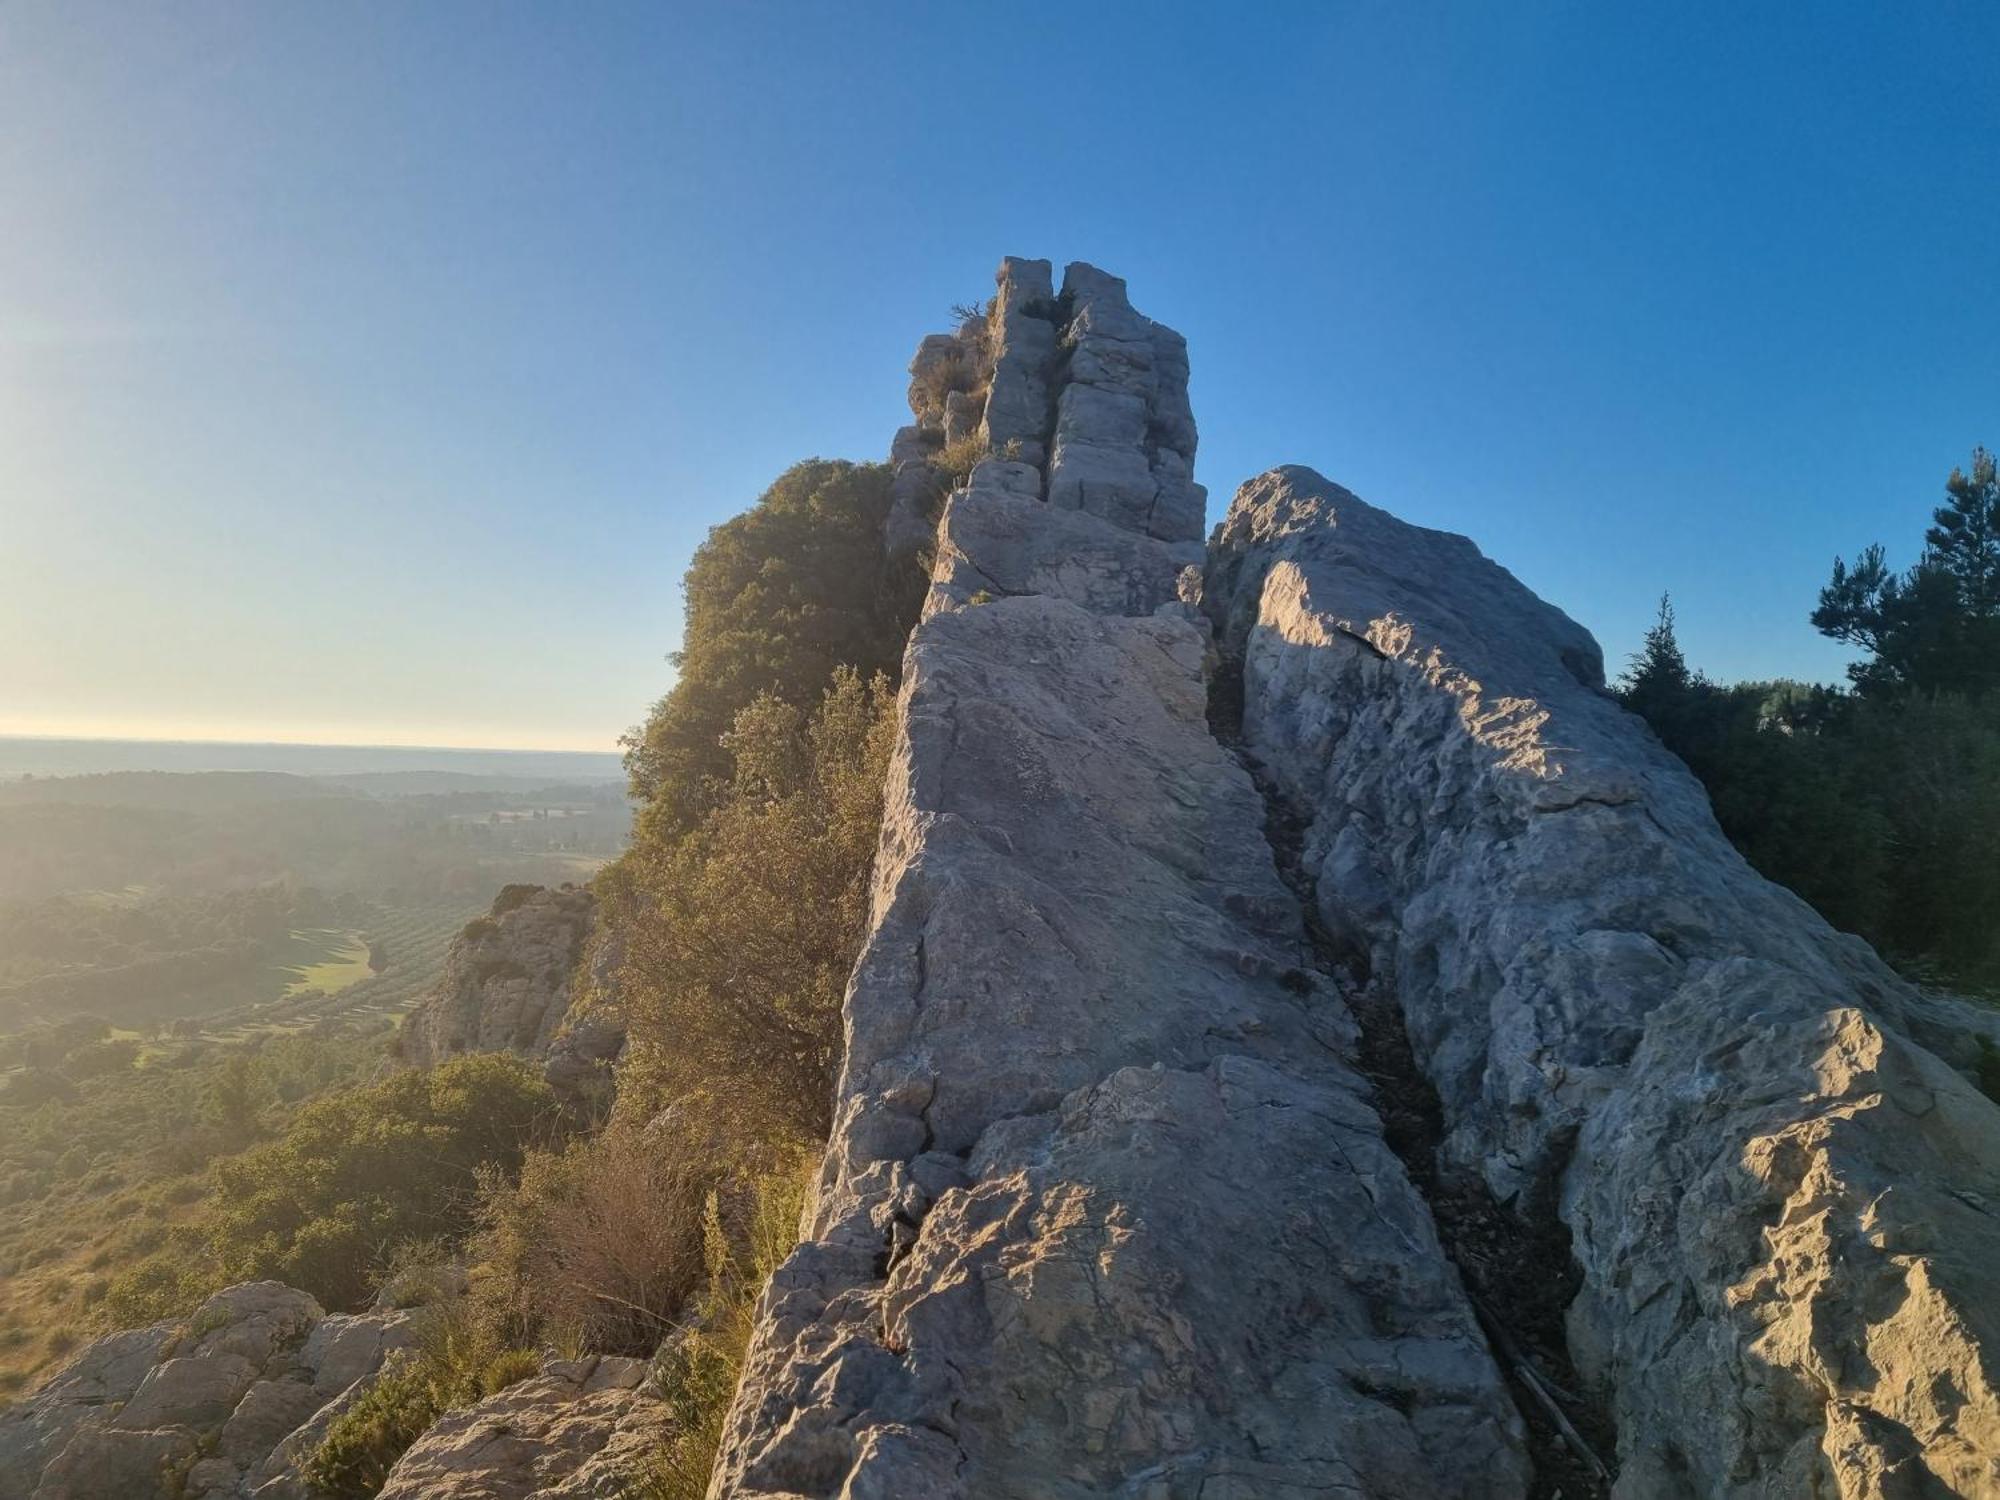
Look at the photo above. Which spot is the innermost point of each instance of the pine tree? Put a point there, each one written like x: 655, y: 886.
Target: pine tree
x: 1965, y: 541
x: 1658, y: 675
x: 1935, y: 628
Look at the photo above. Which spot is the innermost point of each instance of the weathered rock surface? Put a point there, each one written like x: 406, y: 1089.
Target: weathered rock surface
x: 1786, y: 1208
x: 209, y: 1409
x: 1081, y: 403
x: 1106, y: 1210
x: 508, y: 986
x: 580, y: 1430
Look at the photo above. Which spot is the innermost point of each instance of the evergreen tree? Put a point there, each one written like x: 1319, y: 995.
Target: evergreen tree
x: 1657, y: 679
x: 1965, y: 540
x: 1935, y: 628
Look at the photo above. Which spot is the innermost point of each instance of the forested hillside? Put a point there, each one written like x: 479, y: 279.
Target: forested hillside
x: 1879, y: 803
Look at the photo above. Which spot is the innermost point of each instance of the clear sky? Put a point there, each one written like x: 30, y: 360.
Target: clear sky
x: 368, y: 372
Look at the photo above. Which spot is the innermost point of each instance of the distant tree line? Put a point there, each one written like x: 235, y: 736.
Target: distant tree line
x: 1880, y: 803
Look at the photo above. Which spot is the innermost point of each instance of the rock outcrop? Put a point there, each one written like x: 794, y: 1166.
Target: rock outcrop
x: 1106, y: 1209
x: 1077, y: 409
x: 582, y: 1429
x: 219, y: 1407
x: 509, y: 985
x: 1786, y: 1209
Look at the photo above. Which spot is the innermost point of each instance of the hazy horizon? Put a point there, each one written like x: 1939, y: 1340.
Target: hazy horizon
x: 66, y: 755
x: 370, y: 376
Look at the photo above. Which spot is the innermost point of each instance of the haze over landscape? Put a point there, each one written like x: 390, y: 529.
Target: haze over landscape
x: 369, y: 377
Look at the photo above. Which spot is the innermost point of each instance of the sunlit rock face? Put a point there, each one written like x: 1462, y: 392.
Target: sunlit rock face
x: 220, y: 1406
x: 1106, y: 1210
x: 580, y: 1429
x: 511, y: 983
x: 1076, y: 443
x: 1785, y: 1200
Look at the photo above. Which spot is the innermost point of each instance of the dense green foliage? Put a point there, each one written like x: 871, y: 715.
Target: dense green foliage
x: 777, y: 598
x: 362, y: 1170
x: 1880, y: 806
x: 455, y: 1363
x: 102, y: 1176
x: 739, y: 933
x: 1936, y: 627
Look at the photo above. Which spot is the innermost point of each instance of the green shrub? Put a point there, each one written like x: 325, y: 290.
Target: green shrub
x: 455, y: 1363
x: 738, y: 936
x: 363, y: 1443
x: 777, y: 599
x: 360, y: 1170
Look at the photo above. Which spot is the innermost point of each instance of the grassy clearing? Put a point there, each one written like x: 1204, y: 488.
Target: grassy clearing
x: 336, y: 959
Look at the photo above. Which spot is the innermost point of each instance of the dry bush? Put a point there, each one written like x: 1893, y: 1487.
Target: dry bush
x: 598, y: 1246
x: 936, y: 380
x: 958, y: 458
x: 743, y: 1243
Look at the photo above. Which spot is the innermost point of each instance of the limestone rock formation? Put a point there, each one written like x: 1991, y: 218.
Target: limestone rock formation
x: 580, y: 1430
x: 508, y: 986
x: 1106, y: 1209
x: 1786, y: 1208
x: 1083, y: 410
x: 219, y: 1407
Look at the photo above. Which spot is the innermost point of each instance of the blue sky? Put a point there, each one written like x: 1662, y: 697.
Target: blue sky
x: 369, y: 372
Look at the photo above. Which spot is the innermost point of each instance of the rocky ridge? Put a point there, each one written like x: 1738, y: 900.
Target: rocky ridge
x: 1085, y: 1023
x: 1108, y: 1208
x: 1785, y: 1206
x: 1179, y: 843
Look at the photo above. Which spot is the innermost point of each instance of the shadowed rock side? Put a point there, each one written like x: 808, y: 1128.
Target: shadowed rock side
x: 1785, y: 1204
x: 1106, y: 1210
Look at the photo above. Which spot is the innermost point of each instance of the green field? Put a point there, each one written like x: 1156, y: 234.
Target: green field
x: 333, y: 959
x: 414, y: 941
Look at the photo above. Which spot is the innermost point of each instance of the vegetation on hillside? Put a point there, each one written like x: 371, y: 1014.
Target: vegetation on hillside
x: 1879, y: 804
x: 777, y: 599
x: 734, y: 920
x: 103, y: 1177
x: 150, y: 1166
x: 739, y: 933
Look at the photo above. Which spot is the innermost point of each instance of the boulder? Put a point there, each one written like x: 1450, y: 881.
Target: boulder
x: 580, y: 1430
